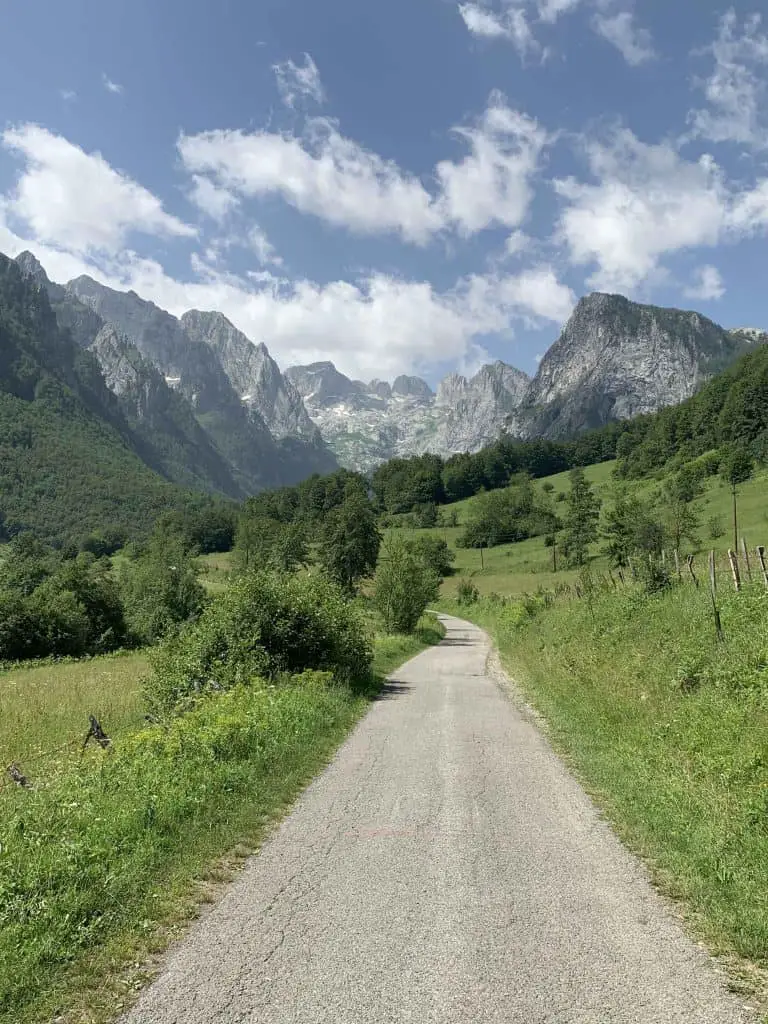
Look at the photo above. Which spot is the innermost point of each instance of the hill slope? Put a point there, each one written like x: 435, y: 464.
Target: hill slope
x: 68, y: 457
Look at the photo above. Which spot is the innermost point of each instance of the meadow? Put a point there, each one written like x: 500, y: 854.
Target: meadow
x: 516, y: 569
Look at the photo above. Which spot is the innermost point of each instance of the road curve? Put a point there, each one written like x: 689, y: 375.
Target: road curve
x: 445, y: 869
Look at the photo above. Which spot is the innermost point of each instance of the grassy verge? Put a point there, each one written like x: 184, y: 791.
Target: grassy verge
x: 105, y: 861
x: 668, y: 730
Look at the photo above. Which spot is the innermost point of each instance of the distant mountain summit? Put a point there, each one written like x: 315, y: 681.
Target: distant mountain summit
x: 616, y: 359
x: 366, y: 424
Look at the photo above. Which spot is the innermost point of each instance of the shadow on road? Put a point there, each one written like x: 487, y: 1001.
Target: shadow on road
x: 392, y: 689
x: 450, y: 641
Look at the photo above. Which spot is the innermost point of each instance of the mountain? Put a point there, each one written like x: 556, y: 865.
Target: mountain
x: 254, y: 374
x: 166, y: 433
x: 69, y: 459
x: 613, y: 360
x: 616, y: 359
x: 366, y: 424
x: 193, y: 367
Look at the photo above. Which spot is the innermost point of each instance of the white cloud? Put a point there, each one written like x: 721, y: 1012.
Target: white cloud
x: 511, y: 20
x: 111, y: 86
x: 707, y: 284
x: 295, y: 82
x: 633, y: 43
x: 511, y: 23
x: 349, y: 322
x: 492, y: 185
x: 336, y: 179
x: 68, y: 95
x: 736, y: 90
x: 75, y: 200
x: 216, y: 202
x: 262, y: 247
x: 647, y: 202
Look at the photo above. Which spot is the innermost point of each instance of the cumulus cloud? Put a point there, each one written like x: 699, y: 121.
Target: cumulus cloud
x: 736, y: 90
x: 334, y: 178
x: 261, y: 246
x: 111, y: 86
x: 296, y: 82
x: 375, y: 325
x: 707, y: 284
x: 647, y: 201
x: 75, y: 200
x: 68, y: 95
x: 619, y: 28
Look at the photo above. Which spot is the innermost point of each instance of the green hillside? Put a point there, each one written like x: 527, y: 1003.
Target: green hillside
x: 67, y: 461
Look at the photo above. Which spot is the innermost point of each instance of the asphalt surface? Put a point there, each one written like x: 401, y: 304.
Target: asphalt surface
x: 444, y: 869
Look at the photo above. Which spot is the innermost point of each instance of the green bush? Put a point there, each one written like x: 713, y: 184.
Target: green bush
x: 267, y: 623
x: 467, y: 592
x: 404, y: 586
x: 435, y: 554
x: 160, y: 588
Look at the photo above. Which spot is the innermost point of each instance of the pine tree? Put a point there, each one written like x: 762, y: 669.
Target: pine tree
x: 581, y: 518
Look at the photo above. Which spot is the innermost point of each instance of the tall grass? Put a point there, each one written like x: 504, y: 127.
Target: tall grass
x: 44, y: 708
x: 668, y: 730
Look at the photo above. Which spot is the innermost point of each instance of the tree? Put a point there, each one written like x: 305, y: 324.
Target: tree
x: 677, y: 512
x: 629, y: 528
x: 160, y: 588
x: 404, y: 586
x: 581, y: 518
x: 737, y: 468
x: 350, y: 541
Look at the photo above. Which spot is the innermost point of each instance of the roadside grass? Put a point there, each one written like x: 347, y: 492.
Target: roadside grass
x: 107, y: 859
x: 668, y: 730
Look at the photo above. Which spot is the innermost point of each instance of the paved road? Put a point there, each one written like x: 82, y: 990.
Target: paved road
x: 445, y: 869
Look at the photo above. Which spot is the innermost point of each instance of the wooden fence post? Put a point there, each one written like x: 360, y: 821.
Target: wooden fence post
x: 734, y: 569
x: 632, y: 568
x: 677, y: 564
x: 761, y: 560
x: 745, y: 549
x: 713, y: 592
x: 689, y: 560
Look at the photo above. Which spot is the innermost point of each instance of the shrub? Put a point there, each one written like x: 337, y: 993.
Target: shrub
x: 265, y: 624
x: 405, y: 585
x: 435, y: 554
x: 715, y: 527
x: 467, y: 592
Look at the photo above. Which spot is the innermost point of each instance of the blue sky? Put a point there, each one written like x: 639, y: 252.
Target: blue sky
x: 414, y: 186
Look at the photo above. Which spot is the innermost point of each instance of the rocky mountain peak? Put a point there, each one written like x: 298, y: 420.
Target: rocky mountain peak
x: 32, y: 268
x: 253, y: 373
x: 322, y: 384
x: 411, y: 387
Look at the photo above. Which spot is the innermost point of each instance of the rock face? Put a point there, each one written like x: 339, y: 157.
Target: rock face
x: 366, y: 424
x: 254, y: 374
x: 193, y: 366
x: 615, y: 359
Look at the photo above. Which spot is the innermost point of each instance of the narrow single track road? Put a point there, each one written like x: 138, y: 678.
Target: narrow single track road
x: 445, y: 869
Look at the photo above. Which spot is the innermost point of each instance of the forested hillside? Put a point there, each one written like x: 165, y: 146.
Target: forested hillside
x: 68, y: 457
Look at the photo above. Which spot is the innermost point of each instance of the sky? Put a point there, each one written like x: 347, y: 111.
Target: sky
x: 416, y: 186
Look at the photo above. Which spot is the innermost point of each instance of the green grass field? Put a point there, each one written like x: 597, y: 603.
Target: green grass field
x: 44, y: 708
x: 515, y: 569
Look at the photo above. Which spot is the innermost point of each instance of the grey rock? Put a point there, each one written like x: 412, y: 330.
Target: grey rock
x: 366, y: 424
x: 254, y: 374
x: 616, y: 359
